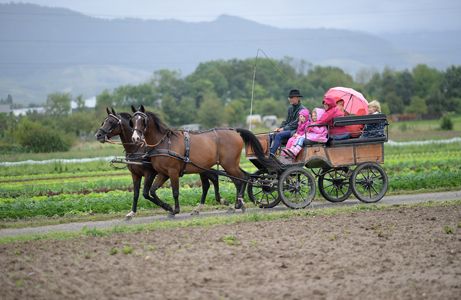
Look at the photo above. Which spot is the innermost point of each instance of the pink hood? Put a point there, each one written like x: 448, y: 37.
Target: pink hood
x: 319, y: 112
x: 301, y: 130
x: 305, y: 112
x: 330, y: 102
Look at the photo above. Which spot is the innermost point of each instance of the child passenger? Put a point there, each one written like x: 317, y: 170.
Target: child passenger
x: 374, y: 129
x: 313, y: 134
x: 303, y: 122
x: 317, y: 133
x: 331, y: 112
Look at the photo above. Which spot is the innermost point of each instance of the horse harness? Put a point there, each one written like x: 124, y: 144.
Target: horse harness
x: 168, y: 152
x: 139, y: 159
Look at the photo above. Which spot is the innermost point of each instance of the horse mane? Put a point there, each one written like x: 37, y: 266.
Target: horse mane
x: 161, y: 127
x: 125, y: 116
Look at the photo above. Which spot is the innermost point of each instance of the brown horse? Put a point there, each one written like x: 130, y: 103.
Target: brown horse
x: 118, y: 124
x: 178, y: 152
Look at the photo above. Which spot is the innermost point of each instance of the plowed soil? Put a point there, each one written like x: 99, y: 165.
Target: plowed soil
x: 401, y: 253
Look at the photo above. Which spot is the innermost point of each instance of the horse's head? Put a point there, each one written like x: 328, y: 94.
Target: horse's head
x: 147, y: 127
x: 110, y: 127
x: 139, y: 124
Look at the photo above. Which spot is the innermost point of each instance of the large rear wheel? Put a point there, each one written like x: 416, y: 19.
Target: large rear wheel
x: 296, y: 187
x: 369, y: 182
x: 334, y: 184
x: 262, y: 189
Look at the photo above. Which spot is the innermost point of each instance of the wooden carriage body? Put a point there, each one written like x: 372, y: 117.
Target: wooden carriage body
x: 341, y: 168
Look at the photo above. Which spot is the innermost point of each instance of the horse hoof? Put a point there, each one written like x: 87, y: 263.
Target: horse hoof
x: 194, y: 213
x: 130, y: 216
x: 171, y: 215
x: 239, y: 204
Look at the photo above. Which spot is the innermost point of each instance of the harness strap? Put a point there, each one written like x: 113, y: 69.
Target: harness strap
x: 168, y: 152
x: 217, y: 147
x: 187, y: 152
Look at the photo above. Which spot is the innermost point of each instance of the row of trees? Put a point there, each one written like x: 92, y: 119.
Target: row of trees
x: 219, y: 93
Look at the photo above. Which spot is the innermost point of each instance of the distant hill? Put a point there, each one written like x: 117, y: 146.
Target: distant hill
x: 43, y: 50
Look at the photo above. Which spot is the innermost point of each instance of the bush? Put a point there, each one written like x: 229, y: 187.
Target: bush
x: 6, y: 148
x: 35, y: 137
x: 446, y: 123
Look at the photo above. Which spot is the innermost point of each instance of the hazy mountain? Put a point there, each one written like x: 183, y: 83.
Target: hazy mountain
x: 43, y: 50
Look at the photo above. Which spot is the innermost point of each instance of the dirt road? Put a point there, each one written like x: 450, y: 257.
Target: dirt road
x: 400, y: 253
x: 390, y: 200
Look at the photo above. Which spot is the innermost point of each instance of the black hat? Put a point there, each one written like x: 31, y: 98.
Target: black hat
x: 294, y: 93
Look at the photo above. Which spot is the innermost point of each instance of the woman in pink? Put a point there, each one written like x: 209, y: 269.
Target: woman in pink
x: 303, y: 122
x: 331, y: 112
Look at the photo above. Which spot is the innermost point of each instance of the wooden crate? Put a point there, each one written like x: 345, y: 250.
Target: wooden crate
x: 369, y: 153
x: 347, y: 155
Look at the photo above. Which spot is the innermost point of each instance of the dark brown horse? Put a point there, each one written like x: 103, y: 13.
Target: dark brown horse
x: 118, y: 124
x: 178, y: 152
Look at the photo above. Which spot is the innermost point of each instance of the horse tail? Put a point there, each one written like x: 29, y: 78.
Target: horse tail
x: 249, y: 138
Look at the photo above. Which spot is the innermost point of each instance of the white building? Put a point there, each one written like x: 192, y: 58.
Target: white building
x: 88, y: 103
x: 23, y: 111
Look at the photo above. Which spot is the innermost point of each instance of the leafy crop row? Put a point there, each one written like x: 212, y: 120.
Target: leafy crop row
x: 113, y: 201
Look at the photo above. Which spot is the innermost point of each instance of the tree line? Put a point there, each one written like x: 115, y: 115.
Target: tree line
x: 219, y: 93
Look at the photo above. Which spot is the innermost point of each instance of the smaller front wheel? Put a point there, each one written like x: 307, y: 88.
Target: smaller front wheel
x: 334, y: 184
x: 296, y: 187
x: 369, y: 182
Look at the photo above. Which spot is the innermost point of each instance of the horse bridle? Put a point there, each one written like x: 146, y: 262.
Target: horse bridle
x: 145, y: 118
x: 119, y: 122
x: 141, y: 133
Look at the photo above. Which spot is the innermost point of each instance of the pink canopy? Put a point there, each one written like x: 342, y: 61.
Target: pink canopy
x: 354, y: 102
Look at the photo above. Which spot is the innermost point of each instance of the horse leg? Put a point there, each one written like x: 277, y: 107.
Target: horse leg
x: 136, y: 187
x: 244, y: 183
x: 148, y: 180
x: 174, y: 180
x: 215, y: 180
x: 205, y: 187
x: 240, y: 186
x: 159, y: 181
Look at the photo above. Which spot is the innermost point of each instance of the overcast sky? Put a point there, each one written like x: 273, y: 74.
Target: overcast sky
x: 366, y: 15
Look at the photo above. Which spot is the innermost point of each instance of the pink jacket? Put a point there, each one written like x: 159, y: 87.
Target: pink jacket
x: 301, y: 130
x: 331, y: 113
x: 317, y: 133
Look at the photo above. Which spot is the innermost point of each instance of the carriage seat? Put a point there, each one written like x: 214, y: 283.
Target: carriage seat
x: 308, y: 143
x: 357, y: 120
x: 357, y: 141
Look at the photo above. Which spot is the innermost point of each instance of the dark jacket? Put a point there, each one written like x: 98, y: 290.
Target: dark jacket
x: 291, y: 122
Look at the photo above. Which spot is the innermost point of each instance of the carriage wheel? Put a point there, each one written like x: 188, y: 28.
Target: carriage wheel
x: 262, y: 189
x: 369, y: 182
x: 334, y: 185
x: 297, y: 187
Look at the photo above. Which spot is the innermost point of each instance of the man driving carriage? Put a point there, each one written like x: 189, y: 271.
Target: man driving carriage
x: 288, y: 127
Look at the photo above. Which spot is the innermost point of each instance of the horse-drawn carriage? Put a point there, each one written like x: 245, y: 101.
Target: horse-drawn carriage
x: 342, y: 167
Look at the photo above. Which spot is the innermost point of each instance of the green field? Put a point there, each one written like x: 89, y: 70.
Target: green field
x: 89, y: 189
x: 62, y: 191
x: 423, y: 130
